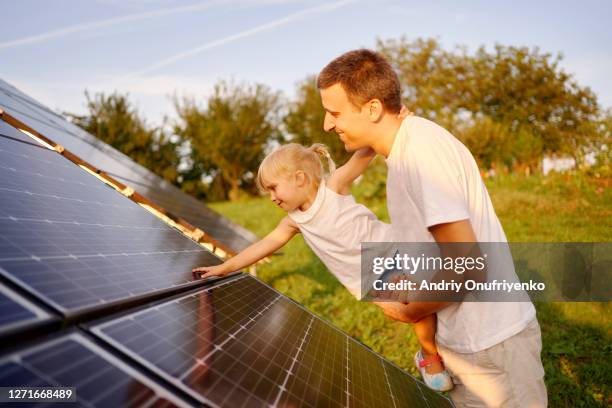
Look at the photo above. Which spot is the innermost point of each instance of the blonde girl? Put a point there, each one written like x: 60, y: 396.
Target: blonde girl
x: 320, y: 207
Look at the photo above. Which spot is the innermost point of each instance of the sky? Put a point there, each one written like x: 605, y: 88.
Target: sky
x: 54, y: 50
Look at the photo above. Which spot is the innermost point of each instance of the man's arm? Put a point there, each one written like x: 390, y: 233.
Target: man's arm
x: 458, y: 231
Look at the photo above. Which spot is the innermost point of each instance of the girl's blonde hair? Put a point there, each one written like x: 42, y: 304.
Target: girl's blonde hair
x: 292, y: 157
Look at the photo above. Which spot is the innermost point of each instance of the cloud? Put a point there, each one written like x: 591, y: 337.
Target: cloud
x: 462, y: 17
x: 404, y: 11
x: 150, y: 95
x: 62, y: 32
x: 238, y: 36
x: 161, y: 85
x: 156, y: 85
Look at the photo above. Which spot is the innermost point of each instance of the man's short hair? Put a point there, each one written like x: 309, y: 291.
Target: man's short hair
x: 364, y: 75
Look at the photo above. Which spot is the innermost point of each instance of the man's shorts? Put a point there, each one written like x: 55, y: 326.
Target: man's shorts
x: 509, y: 374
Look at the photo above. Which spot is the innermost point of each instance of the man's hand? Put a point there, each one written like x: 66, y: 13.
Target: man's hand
x: 400, y: 296
x: 395, y: 310
x: 460, y: 232
x: 410, y: 312
x: 208, y: 271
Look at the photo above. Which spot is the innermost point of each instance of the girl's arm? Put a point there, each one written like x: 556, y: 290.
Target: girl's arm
x: 342, y: 178
x: 283, y: 232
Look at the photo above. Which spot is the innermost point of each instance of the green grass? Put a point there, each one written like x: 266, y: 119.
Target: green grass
x: 576, y: 336
x: 562, y: 208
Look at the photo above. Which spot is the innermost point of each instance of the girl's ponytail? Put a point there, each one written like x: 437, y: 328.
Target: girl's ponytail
x: 323, y: 152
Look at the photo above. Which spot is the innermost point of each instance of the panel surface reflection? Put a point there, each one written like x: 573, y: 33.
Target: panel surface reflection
x: 118, y: 165
x: 242, y: 344
x: 75, y: 242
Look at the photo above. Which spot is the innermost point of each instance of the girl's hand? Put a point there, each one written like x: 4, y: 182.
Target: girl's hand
x: 208, y: 271
x: 404, y: 112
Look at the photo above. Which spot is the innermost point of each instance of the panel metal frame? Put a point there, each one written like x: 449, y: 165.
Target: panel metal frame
x: 43, y: 320
x: 76, y: 335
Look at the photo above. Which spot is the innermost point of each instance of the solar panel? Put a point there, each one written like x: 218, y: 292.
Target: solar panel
x: 76, y: 243
x: 99, y: 378
x: 102, y: 156
x: 79, y: 247
x: 239, y: 343
x: 17, y: 313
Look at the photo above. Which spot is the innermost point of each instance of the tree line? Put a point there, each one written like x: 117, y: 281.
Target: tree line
x: 510, y: 106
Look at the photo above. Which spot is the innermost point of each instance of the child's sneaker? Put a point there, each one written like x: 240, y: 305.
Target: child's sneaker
x: 439, y: 381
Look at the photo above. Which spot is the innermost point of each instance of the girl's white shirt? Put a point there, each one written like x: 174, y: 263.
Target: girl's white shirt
x: 334, y: 227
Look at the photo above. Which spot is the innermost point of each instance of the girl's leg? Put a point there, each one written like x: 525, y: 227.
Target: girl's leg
x: 425, y: 330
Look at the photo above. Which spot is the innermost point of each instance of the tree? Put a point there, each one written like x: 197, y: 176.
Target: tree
x: 425, y: 71
x: 114, y: 121
x: 229, y: 135
x: 304, y: 121
x: 522, y: 90
x: 602, y: 151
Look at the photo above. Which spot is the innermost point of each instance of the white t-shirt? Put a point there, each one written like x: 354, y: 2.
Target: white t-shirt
x: 433, y: 179
x: 334, y: 227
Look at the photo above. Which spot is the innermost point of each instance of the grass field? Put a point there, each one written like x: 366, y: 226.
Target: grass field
x: 577, y: 337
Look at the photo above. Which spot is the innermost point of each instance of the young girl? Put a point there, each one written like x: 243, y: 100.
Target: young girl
x: 332, y: 224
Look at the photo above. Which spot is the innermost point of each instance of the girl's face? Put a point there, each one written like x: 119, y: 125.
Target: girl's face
x: 288, y: 192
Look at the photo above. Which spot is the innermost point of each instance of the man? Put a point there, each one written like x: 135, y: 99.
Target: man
x: 434, y: 190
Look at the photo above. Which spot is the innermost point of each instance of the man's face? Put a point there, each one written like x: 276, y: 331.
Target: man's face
x: 349, y: 122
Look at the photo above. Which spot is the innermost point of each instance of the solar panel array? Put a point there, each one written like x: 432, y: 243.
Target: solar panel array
x: 99, y: 378
x: 99, y: 293
x: 93, y: 151
x: 75, y: 242
x: 241, y: 344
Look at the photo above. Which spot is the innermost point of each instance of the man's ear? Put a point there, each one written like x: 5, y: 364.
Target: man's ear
x: 375, y: 110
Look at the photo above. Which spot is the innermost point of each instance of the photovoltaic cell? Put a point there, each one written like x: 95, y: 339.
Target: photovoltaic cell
x: 320, y: 377
x: 76, y: 243
x: 240, y: 343
x: 124, y: 169
x: 16, y: 313
x: 100, y: 379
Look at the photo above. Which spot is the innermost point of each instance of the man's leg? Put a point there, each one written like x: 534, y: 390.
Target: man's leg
x: 524, y: 367
x: 509, y: 374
